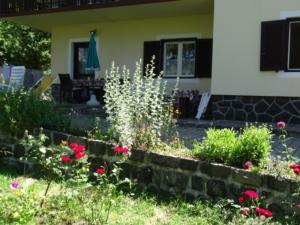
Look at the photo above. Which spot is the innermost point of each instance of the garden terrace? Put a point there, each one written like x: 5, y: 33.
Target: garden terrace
x: 26, y: 7
x: 174, y: 175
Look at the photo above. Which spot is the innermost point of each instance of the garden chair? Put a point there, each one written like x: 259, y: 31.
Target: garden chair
x: 16, y: 79
x: 67, y: 88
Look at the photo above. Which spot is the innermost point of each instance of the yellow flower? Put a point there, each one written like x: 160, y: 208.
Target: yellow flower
x: 18, y: 193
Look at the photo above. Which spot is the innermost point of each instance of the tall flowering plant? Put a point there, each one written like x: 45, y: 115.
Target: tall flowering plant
x: 136, y: 104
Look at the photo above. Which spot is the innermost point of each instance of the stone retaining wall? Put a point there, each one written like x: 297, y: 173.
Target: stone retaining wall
x: 191, y: 178
x: 256, y: 108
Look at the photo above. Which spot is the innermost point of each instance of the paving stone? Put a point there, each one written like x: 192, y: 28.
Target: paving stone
x: 166, y: 161
x: 145, y: 175
x: 97, y: 148
x: 197, y: 183
x: 245, y: 177
x: 182, y: 181
x: 216, y: 188
x: 275, y: 183
x: 215, y: 170
x: 138, y: 155
x: 188, y: 164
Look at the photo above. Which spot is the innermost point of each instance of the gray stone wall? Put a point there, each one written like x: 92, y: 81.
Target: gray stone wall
x: 256, y: 108
x: 191, y: 178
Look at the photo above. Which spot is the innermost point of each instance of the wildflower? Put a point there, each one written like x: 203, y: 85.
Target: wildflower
x: 79, y: 149
x: 294, y: 166
x: 281, y: 124
x: 251, y: 194
x: 297, y: 171
x: 242, y: 200
x: 263, y: 212
x: 79, y: 155
x: 119, y: 149
x: 248, y: 165
x: 245, y: 212
x: 101, y: 170
x: 66, y: 159
x: 73, y: 145
x: 298, y: 206
x: 14, y: 185
x: 274, y: 165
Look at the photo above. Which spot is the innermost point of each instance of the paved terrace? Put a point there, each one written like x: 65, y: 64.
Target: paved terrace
x: 83, y: 117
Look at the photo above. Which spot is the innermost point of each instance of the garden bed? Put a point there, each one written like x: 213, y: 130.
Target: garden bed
x: 191, y: 178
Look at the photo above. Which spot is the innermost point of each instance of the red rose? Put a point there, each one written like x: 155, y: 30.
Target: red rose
x: 245, y: 212
x: 264, y: 212
x: 297, y: 171
x: 79, y: 155
x: 281, y: 124
x: 248, y: 165
x: 66, y: 159
x: 294, y: 166
x: 119, y: 149
x: 242, y: 200
x: 73, y: 145
x: 79, y: 149
x: 251, y: 194
x: 101, y: 170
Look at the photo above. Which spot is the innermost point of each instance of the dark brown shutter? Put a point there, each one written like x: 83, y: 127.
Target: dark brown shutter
x: 274, y: 36
x: 203, y: 62
x: 153, y: 48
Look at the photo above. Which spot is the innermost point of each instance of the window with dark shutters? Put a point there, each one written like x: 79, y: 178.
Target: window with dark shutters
x: 202, y: 56
x: 274, y: 44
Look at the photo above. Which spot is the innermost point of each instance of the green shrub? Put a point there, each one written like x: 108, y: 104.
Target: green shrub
x: 21, y: 110
x: 217, y: 146
x: 226, y: 146
x: 254, y: 145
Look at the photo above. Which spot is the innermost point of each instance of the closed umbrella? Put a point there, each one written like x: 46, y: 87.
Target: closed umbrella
x: 92, y: 64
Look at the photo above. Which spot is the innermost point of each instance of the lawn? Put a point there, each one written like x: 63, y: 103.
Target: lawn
x: 21, y: 206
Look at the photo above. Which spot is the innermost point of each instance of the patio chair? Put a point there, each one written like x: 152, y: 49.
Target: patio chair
x: 16, y: 79
x: 67, y: 88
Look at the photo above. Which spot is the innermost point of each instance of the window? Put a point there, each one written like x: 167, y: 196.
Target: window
x: 294, y: 46
x: 187, y: 58
x: 179, y: 59
x: 280, y: 45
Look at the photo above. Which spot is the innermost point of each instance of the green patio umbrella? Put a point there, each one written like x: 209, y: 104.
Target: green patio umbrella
x: 92, y: 63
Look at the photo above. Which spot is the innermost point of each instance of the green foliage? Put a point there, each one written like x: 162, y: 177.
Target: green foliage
x: 23, y: 45
x: 227, y: 146
x: 218, y: 145
x: 254, y: 145
x: 136, y: 105
x: 97, y: 134
x: 21, y: 110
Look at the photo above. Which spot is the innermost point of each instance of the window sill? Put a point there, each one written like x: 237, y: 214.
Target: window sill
x: 283, y: 74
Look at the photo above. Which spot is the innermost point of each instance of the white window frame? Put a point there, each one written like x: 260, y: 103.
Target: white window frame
x: 289, y: 48
x: 179, y: 58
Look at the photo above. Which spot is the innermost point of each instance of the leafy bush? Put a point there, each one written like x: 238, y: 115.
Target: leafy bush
x: 254, y: 145
x: 136, y: 105
x: 21, y: 110
x: 218, y: 145
x: 227, y: 146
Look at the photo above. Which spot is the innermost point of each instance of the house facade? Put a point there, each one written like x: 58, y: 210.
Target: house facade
x: 245, y: 53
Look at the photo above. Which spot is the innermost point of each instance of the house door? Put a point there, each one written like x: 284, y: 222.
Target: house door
x: 80, y: 60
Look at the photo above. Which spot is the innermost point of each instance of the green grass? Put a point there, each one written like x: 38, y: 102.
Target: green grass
x: 128, y: 209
